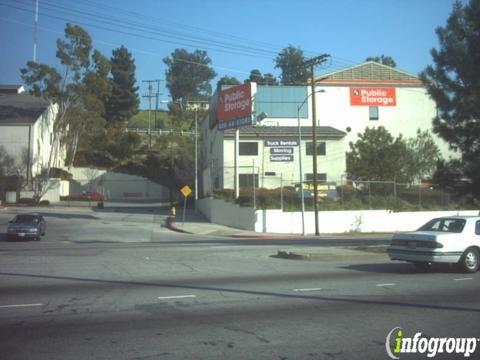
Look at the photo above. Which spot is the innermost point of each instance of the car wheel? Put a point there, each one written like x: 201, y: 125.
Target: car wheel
x: 421, y: 265
x: 469, y: 260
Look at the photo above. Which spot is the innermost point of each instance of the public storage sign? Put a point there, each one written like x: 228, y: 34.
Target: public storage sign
x: 234, y: 102
x: 373, y: 96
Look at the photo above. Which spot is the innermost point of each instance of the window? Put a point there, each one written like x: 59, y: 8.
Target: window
x: 321, y: 148
x: 373, y: 112
x: 477, y: 228
x: 245, y: 180
x: 270, y: 173
x: 322, y: 177
x: 445, y: 225
x: 248, y: 148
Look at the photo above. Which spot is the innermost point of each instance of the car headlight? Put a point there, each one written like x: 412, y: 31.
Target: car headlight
x: 32, y: 230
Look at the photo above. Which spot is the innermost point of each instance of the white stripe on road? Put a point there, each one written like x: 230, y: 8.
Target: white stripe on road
x: 305, y: 290
x: 383, y: 285
x: 176, y: 297
x: 462, y: 279
x: 19, y: 305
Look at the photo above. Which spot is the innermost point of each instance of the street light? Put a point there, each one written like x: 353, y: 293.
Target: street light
x: 299, y: 107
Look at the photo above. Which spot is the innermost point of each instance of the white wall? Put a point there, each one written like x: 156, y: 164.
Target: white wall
x: 330, y: 222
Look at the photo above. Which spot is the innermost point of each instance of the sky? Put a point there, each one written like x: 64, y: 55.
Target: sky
x: 238, y: 35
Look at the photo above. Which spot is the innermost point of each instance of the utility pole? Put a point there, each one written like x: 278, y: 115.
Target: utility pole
x: 35, y: 33
x: 149, y: 96
x: 311, y: 63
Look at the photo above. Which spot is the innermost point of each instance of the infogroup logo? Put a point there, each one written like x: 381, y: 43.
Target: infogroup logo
x: 397, y: 343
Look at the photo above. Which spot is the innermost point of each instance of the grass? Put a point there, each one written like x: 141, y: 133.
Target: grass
x: 140, y: 120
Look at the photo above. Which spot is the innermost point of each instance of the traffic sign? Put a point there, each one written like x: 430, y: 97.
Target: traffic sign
x: 186, y: 190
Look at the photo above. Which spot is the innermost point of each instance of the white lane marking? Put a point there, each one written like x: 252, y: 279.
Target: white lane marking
x: 463, y: 279
x: 19, y: 305
x: 383, y: 285
x: 176, y: 297
x: 305, y: 290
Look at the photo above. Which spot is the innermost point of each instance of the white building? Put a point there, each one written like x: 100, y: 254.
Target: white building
x: 26, y: 130
x: 347, y: 102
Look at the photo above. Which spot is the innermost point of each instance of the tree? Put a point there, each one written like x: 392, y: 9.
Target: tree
x: 423, y: 156
x: 63, y: 88
x: 376, y: 155
x: 123, y: 102
x: 227, y: 80
x: 453, y: 81
x: 382, y: 59
x: 257, y: 77
x: 188, y: 75
x: 291, y: 62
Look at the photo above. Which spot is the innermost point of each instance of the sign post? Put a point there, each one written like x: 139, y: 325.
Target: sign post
x: 185, y: 191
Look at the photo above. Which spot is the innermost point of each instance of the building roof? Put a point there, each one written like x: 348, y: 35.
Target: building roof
x: 285, y: 132
x: 11, y: 89
x: 370, y: 72
x: 21, y: 108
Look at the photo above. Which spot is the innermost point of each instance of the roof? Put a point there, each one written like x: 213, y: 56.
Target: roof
x: 11, y: 89
x: 370, y: 72
x: 285, y: 131
x: 21, y: 108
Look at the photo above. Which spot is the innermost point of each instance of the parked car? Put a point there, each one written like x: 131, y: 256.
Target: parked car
x: 27, y: 226
x: 454, y: 240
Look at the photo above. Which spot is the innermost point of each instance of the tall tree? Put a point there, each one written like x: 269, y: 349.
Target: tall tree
x: 257, y: 77
x: 227, y: 80
x: 188, y: 75
x: 382, y: 59
x: 453, y: 81
x: 63, y: 88
x: 423, y: 156
x: 376, y: 155
x: 124, y: 101
x: 291, y: 62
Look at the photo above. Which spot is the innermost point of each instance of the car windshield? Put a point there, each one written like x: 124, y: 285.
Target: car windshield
x: 26, y: 219
x: 445, y: 225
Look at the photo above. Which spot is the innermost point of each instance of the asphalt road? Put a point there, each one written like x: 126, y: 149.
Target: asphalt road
x: 117, y: 286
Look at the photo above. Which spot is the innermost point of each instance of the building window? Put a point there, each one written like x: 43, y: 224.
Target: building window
x: 321, y: 148
x: 246, y: 180
x: 322, y: 177
x: 270, y: 173
x: 373, y: 112
x: 248, y: 148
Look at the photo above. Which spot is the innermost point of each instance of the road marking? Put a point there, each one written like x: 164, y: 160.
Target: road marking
x: 305, y: 290
x: 19, y: 305
x: 462, y: 279
x: 176, y: 297
x: 384, y: 285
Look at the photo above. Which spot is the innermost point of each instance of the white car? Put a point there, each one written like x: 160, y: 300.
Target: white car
x: 453, y: 240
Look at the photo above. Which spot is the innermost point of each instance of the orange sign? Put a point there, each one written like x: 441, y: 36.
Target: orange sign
x: 373, y: 97
x: 234, y: 102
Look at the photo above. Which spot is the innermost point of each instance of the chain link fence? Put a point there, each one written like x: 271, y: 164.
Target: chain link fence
x: 279, y: 192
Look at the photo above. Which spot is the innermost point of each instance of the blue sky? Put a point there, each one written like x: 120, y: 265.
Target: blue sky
x: 238, y: 35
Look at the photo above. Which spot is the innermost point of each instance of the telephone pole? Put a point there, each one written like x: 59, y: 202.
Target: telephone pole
x: 150, y: 96
x: 311, y: 63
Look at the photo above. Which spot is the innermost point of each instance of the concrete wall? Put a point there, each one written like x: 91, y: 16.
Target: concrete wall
x: 225, y: 213
x: 277, y: 221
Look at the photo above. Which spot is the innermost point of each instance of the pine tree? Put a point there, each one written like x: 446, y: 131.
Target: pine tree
x: 124, y: 101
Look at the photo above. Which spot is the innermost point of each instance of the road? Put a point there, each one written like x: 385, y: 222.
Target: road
x: 117, y: 286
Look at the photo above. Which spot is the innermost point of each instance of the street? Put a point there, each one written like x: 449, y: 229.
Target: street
x: 116, y: 285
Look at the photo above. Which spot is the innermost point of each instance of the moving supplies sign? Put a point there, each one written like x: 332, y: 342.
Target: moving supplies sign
x: 234, y: 103
x: 373, y: 97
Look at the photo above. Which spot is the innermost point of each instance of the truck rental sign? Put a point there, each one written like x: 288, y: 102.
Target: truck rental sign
x: 373, y: 96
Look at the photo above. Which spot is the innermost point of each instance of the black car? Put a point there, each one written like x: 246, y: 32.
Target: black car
x: 26, y: 226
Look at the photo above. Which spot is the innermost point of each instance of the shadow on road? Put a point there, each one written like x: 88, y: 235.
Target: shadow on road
x: 401, y: 268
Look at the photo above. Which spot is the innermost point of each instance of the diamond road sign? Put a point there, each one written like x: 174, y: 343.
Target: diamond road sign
x: 186, y: 190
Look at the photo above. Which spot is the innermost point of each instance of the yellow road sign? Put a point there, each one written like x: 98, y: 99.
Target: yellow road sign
x: 186, y: 190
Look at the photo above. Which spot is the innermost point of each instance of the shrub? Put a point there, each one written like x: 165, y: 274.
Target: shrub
x: 44, y: 203
x: 27, y: 201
